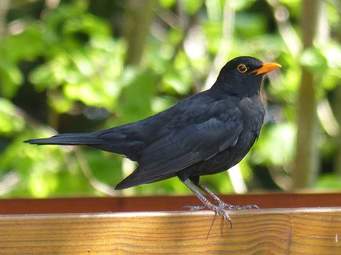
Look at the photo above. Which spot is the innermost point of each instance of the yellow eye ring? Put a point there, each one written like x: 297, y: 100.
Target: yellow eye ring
x: 242, y: 68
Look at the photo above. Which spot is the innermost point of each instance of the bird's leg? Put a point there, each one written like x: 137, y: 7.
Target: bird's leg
x: 212, y: 195
x: 205, y: 189
x: 209, y: 192
x: 195, y: 181
x: 223, y: 204
x: 216, y: 208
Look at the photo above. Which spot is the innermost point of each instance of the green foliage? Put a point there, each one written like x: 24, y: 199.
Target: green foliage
x: 83, y: 60
x: 314, y: 60
x: 192, y: 6
x: 329, y: 182
x: 276, y: 147
x: 11, y: 120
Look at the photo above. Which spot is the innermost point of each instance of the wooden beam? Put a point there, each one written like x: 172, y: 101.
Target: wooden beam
x: 263, y: 231
x: 162, y: 203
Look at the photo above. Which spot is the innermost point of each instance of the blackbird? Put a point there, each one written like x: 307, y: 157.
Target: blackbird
x: 203, y: 134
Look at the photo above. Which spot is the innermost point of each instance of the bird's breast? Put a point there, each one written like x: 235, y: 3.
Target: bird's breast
x: 253, y: 112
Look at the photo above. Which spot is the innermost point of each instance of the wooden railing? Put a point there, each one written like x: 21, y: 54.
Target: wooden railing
x: 306, y: 224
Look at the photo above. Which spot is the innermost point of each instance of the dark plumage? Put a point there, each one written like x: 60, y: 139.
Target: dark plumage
x: 203, y: 134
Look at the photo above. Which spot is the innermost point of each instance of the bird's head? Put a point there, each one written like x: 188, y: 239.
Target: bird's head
x: 243, y: 76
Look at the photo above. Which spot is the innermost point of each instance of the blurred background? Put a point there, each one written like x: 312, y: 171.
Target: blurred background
x: 73, y: 66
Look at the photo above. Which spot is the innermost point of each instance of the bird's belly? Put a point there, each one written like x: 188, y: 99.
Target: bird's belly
x: 225, y: 159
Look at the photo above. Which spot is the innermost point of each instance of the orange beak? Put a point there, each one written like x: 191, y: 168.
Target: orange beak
x: 265, y: 68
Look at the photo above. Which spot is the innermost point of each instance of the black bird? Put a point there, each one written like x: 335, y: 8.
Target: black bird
x: 203, y: 134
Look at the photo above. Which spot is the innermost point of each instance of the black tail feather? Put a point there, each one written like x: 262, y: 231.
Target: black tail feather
x: 112, y: 140
x: 68, y: 139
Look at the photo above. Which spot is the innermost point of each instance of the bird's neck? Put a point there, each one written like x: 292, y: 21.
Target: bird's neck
x: 224, y: 88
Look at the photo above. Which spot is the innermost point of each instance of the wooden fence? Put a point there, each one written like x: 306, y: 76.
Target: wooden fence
x: 306, y: 224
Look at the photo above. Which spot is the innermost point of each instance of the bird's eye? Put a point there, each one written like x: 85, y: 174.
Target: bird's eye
x: 242, y: 68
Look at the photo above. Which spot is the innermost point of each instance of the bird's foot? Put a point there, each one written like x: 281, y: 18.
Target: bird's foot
x: 238, y: 207
x: 195, y: 207
x: 221, y: 211
x: 217, y: 209
x: 228, y: 206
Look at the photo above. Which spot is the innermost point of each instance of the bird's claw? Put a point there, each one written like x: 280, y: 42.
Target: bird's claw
x: 221, y: 211
x: 195, y: 207
x: 238, y: 207
x: 217, y: 209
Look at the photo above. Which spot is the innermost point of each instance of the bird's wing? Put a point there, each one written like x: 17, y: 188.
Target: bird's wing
x: 133, y: 138
x: 187, y: 146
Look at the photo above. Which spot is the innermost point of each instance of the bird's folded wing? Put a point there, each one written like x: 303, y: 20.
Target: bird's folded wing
x: 192, y: 144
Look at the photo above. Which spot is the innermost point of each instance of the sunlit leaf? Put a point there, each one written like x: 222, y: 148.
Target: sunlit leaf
x: 276, y: 145
x: 192, y: 6
x: 241, y: 4
x: 167, y: 3
x: 11, y: 120
x: 314, y: 60
x: 10, y: 78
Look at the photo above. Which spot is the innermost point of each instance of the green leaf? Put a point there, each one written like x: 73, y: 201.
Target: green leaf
x: 167, y: 3
x: 241, y: 4
x: 11, y: 121
x: 276, y: 145
x: 136, y: 98
x: 192, y: 6
x: 329, y: 182
x: 314, y: 60
x: 10, y: 78
x: 249, y: 25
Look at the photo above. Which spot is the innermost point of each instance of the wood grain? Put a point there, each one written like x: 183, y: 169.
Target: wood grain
x: 264, y: 231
